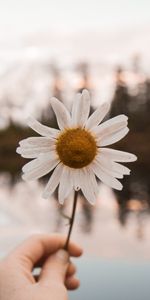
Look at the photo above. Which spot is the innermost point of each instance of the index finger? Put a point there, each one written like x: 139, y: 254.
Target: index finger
x: 38, y: 246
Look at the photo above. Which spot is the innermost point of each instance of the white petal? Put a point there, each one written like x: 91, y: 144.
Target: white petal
x: 106, y: 178
x: 88, y: 185
x: 42, y: 169
x: 117, y: 155
x: 112, y: 138
x: 53, y: 181
x: 31, y: 165
x: 111, y: 165
x: 62, y: 114
x: 38, y: 161
x: 66, y: 184
x: 99, y: 114
x: 37, y: 142
x: 108, y: 168
x: 33, y: 152
x: 42, y: 129
x: 76, y: 179
x: 81, y: 109
x: 121, y: 169
x: 111, y: 126
x: 76, y: 104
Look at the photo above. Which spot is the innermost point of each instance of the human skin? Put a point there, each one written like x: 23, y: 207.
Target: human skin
x: 57, y: 271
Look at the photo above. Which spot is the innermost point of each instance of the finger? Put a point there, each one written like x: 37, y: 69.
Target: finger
x: 43, y: 260
x: 71, y: 270
x: 55, y: 268
x: 41, y: 246
x: 72, y: 283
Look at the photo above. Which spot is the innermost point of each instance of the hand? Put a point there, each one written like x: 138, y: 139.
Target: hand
x: 57, y: 271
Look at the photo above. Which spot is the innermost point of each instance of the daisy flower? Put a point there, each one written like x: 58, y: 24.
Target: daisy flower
x: 76, y: 152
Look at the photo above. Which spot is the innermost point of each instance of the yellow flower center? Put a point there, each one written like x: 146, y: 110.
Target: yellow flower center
x: 76, y: 148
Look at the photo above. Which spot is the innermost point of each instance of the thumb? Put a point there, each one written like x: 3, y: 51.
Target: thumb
x: 55, y: 267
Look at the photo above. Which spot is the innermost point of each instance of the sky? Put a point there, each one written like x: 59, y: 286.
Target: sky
x: 83, y: 29
x: 24, y: 16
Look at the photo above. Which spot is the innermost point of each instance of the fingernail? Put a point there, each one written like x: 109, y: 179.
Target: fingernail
x: 63, y: 255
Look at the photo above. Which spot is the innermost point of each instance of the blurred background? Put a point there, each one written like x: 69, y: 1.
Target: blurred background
x: 57, y: 48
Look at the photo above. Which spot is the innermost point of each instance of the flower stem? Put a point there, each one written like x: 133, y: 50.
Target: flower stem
x: 71, y: 220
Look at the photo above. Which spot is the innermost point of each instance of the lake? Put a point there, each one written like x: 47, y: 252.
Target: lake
x: 112, y: 280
